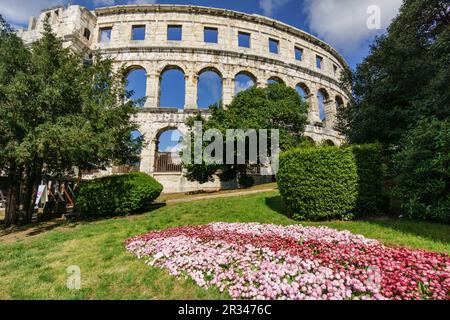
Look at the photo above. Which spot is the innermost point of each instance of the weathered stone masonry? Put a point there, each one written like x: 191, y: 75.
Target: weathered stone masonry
x: 81, y: 29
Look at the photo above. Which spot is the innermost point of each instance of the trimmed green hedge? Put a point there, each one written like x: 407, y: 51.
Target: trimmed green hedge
x: 369, y: 161
x: 116, y: 195
x: 319, y: 183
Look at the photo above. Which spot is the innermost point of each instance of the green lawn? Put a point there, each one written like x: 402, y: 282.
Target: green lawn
x: 35, y: 268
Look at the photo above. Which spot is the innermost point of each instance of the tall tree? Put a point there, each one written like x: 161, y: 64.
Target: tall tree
x: 15, y: 61
x: 58, y: 114
x: 274, y: 107
x: 404, y: 78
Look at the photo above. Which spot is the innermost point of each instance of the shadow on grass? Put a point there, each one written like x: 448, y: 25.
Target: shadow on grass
x: 427, y: 230
x: 150, y: 208
x: 71, y: 221
x: 34, y: 228
x: 277, y: 204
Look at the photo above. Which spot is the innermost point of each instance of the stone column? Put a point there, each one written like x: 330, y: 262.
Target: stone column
x: 191, y: 83
x: 148, y: 153
x: 152, y: 91
x: 313, y: 112
x: 330, y: 111
x: 227, y: 90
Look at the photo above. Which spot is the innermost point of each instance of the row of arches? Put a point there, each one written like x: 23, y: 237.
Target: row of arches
x: 167, y: 144
x: 172, y: 88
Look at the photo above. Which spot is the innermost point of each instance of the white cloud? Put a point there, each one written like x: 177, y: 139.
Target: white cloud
x: 243, y: 85
x: 343, y: 23
x: 102, y: 3
x: 270, y: 6
x: 142, y: 2
x: 17, y: 12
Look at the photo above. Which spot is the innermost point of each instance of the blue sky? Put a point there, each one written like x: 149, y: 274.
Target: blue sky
x: 341, y: 23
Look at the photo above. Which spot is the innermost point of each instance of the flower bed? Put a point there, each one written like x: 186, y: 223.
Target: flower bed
x: 254, y: 261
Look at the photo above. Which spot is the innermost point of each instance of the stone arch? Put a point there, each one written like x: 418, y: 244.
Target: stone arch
x: 275, y: 79
x: 136, y: 83
x: 310, y: 140
x: 211, y: 67
x: 244, y: 80
x: 209, y: 87
x: 167, y: 146
x: 339, y: 101
x: 322, y: 98
x: 328, y: 142
x: 172, y: 87
x: 303, y: 90
x: 161, y: 68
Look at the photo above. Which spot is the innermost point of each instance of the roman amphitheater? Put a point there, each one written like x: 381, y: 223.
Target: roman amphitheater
x: 194, y: 41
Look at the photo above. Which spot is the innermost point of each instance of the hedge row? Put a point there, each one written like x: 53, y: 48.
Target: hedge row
x: 318, y: 183
x: 116, y: 195
x: 369, y: 161
x: 331, y: 182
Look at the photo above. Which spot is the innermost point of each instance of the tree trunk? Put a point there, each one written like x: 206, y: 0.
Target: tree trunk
x: 12, y: 206
x: 33, y: 180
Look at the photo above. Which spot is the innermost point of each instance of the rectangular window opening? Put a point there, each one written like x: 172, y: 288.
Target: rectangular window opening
x: 244, y: 39
x: 319, y: 62
x: 274, y: 46
x: 87, y: 33
x: 211, y: 35
x: 138, y: 33
x: 174, y: 32
x: 298, y: 54
x: 105, y: 35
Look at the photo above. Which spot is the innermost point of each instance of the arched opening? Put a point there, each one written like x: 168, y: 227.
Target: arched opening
x: 275, y: 80
x: 339, y: 102
x: 243, y: 81
x: 168, y: 146
x: 322, y: 97
x: 136, y: 85
x: 328, y: 143
x: 309, y: 141
x: 209, y: 88
x: 303, y: 91
x: 172, y: 88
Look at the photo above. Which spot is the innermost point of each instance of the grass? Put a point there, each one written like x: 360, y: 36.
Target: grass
x: 35, y: 268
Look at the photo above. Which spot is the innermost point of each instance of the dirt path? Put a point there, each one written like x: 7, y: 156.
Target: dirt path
x: 215, y: 196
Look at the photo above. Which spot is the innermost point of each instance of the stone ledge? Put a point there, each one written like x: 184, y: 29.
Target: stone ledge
x: 258, y: 19
x: 232, y: 54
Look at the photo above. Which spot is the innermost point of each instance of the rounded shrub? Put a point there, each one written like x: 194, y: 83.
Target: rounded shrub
x: 319, y: 183
x: 116, y: 195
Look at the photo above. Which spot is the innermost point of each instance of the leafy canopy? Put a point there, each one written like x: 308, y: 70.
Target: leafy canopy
x: 274, y: 107
x: 405, y: 77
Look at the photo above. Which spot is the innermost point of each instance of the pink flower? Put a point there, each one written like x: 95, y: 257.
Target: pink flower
x: 258, y: 261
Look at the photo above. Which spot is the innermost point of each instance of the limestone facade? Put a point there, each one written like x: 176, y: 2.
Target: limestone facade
x: 81, y: 30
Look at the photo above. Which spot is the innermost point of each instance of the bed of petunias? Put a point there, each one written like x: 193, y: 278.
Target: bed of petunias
x: 256, y: 261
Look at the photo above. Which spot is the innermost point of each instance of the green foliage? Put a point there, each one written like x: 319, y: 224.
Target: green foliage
x: 274, y: 107
x: 246, y: 182
x: 58, y: 114
x: 404, y: 78
x: 319, y: 183
x: 369, y: 162
x: 423, y: 171
x: 116, y: 195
